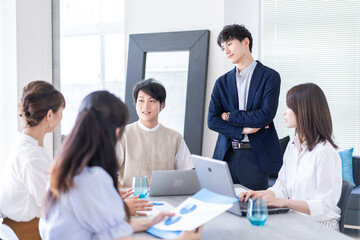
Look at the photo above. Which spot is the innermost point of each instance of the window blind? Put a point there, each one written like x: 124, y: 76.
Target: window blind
x: 317, y: 41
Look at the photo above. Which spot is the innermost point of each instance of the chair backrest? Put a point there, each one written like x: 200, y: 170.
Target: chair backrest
x: 6, y: 233
x: 346, y: 189
x: 283, y: 143
x: 356, y: 170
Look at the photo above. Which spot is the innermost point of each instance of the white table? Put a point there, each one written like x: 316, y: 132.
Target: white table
x: 287, y: 226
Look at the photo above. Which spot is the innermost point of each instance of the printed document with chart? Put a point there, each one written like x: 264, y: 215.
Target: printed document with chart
x: 192, y: 213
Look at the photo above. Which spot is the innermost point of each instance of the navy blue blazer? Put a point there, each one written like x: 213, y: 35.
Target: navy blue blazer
x: 262, y: 103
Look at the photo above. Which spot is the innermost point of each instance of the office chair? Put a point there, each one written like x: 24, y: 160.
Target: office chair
x: 6, y: 233
x: 346, y: 189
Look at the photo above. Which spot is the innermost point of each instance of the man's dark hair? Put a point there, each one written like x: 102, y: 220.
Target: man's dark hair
x: 235, y: 31
x: 152, y: 87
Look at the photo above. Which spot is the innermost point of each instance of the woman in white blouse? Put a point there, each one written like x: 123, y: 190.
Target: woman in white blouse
x: 23, y: 188
x: 310, y: 178
x: 83, y: 201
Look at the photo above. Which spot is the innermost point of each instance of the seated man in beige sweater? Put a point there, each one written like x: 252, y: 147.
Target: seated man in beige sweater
x: 147, y: 145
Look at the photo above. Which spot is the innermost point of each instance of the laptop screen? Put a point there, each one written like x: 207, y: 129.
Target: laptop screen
x: 214, y: 175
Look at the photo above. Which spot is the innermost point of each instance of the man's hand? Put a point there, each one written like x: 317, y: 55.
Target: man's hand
x: 249, y: 130
x: 225, y: 116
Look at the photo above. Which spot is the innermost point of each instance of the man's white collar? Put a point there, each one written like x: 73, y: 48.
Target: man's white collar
x: 143, y: 127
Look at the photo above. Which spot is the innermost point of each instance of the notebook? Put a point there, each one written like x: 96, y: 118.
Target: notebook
x: 214, y: 175
x: 174, y: 182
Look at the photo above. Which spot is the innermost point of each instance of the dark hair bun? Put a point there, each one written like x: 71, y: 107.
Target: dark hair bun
x: 38, y: 97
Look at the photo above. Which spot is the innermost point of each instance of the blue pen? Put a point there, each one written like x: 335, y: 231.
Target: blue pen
x: 157, y: 204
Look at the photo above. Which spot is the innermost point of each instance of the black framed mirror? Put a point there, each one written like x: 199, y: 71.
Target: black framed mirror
x: 197, y: 44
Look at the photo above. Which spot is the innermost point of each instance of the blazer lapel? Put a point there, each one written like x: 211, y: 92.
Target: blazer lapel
x: 231, y: 82
x: 255, y: 80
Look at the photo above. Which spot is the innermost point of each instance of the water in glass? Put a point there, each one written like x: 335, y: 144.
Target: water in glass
x: 140, y: 186
x: 257, y: 211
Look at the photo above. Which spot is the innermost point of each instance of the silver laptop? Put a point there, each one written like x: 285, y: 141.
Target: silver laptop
x: 173, y: 182
x: 214, y: 175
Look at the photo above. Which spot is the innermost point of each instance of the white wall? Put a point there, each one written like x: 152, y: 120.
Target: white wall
x: 33, y: 39
x: 8, y: 84
x: 247, y: 13
x: 34, y: 36
x: 168, y: 16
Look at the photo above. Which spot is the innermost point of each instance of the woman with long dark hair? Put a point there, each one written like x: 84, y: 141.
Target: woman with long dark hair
x: 83, y: 201
x: 23, y: 187
x: 310, y: 178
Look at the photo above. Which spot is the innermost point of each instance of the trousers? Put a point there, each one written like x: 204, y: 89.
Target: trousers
x: 244, y: 169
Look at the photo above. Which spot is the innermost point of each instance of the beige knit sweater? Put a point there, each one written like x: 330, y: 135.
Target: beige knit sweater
x: 145, y: 151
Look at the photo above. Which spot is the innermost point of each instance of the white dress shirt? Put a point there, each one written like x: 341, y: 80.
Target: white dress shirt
x: 92, y: 209
x: 23, y: 188
x: 243, y: 80
x: 313, y: 177
x: 182, y: 160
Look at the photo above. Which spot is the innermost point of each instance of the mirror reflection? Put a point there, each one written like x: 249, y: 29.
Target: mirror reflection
x: 171, y: 69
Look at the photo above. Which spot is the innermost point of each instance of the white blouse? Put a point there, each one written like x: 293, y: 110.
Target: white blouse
x: 24, y: 183
x: 92, y: 209
x: 313, y: 177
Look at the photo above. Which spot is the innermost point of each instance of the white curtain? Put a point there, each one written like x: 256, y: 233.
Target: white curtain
x: 8, y: 81
x: 319, y: 42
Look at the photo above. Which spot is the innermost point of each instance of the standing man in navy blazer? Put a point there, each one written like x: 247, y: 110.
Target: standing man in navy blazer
x: 242, y: 108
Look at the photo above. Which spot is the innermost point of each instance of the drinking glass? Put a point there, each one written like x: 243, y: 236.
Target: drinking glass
x: 140, y: 186
x: 257, y: 212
